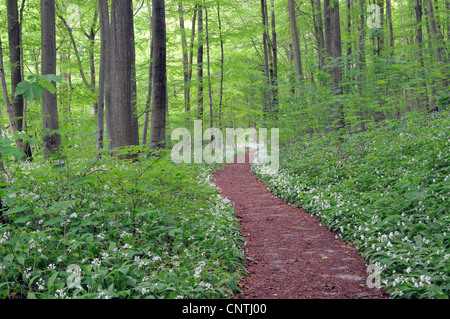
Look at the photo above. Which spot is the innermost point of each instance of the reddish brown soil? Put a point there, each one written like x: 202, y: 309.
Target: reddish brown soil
x: 295, y: 257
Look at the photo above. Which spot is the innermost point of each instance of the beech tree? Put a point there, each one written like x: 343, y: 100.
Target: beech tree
x: 159, y: 100
x: 295, y: 41
x: 50, y: 121
x: 104, y: 87
x: 123, y: 129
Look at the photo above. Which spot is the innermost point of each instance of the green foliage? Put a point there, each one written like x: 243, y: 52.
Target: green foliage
x: 34, y: 86
x: 91, y: 228
x: 386, y: 191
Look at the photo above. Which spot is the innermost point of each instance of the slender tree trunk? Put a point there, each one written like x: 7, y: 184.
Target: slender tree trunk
x: 361, y: 60
x: 122, y: 114
x: 134, y: 115
x: 431, y: 62
x: 419, y: 38
x: 208, y: 68
x: 200, y: 64
x: 50, y: 121
x: 159, y: 99
x: 221, y: 63
x: 77, y: 54
x: 327, y: 28
x: 334, y: 47
x: 380, y: 35
x: 441, y: 54
x: 391, y: 27
x: 185, y: 59
x: 337, y: 48
x: 91, y: 37
x: 318, y: 28
x: 191, y: 57
x: 148, y: 103
x: 5, y: 93
x: 348, y: 5
x: 267, y: 100
x: 15, y: 62
x: 104, y: 77
x: 275, y: 61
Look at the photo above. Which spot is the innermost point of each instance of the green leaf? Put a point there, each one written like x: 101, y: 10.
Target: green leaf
x: 52, y: 279
x: 47, y: 85
x: 52, y: 78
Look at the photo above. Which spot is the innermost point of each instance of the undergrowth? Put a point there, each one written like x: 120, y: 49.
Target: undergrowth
x: 104, y: 228
x: 385, y: 190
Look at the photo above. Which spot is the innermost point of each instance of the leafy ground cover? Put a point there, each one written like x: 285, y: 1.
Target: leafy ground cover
x: 385, y: 190
x: 83, y: 228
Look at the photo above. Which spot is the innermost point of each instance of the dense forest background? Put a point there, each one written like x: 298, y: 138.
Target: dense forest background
x: 83, y: 78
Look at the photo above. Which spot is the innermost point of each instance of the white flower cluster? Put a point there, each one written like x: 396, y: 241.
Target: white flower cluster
x: 199, y: 269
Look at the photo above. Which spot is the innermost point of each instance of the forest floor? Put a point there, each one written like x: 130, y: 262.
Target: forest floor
x: 294, y: 257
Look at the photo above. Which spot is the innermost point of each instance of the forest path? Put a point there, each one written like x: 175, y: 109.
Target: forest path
x: 296, y: 257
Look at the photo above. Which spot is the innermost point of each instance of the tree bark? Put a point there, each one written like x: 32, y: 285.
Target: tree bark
x: 50, y: 121
x: 334, y: 50
x: 318, y: 28
x: 122, y: 112
x: 221, y: 63
x: 421, y: 99
x: 439, y: 45
x: 327, y: 28
x: 5, y: 93
x: 380, y: 34
x: 159, y: 100
x: 267, y: 99
x: 274, y: 61
x: 184, y: 50
x: 391, y: 27
x: 104, y: 92
x: 208, y: 58
x: 348, y: 5
x: 148, y: 103
x: 15, y: 61
x: 200, y: 64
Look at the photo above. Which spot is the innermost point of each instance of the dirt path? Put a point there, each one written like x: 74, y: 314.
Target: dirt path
x: 296, y: 257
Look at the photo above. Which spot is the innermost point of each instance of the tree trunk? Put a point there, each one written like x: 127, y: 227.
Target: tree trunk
x: 419, y: 38
x: 50, y: 121
x: 148, y: 103
x: 159, y: 100
x: 274, y: 61
x: 267, y: 100
x: 185, y: 59
x: 348, y: 5
x: 209, y: 69
x: 200, y: 64
x: 380, y: 34
x: 361, y: 59
x: 318, y: 28
x: 431, y: 62
x: 122, y: 114
x: 191, y: 57
x: 334, y: 47
x: 221, y: 63
x: 77, y: 54
x: 439, y: 45
x: 5, y: 93
x: 15, y: 61
x: 327, y: 28
x: 391, y: 28
x: 104, y: 77
x: 91, y: 38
